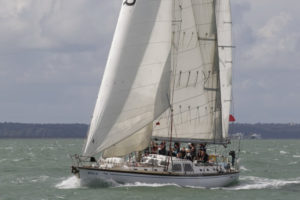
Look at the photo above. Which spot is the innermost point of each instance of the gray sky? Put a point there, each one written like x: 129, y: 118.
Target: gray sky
x: 53, y: 54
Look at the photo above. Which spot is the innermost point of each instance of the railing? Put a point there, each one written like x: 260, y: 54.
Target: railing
x: 79, y: 161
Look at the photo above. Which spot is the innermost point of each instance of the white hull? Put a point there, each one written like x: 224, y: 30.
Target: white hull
x: 89, y: 176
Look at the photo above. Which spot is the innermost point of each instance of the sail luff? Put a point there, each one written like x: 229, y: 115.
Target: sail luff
x: 224, y: 27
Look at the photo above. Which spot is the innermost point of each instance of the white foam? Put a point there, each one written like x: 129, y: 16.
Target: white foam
x: 296, y: 156
x: 47, y: 148
x: 70, y: 183
x: 18, y: 159
x: 138, y: 184
x: 40, y: 179
x: 31, y: 154
x: 19, y: 180
x: 256, y: 183
x: 243, y: 168
x: 283, y: 152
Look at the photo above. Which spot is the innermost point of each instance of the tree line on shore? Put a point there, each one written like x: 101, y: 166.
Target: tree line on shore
x: 20, y: 130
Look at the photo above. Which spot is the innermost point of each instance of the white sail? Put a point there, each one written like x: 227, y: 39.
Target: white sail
x: 134, y: 89
x: 196, y: 97
x: 224, y: 26
x: 168, y: 77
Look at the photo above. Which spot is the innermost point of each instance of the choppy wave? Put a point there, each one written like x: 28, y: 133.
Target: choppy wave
x: 243, y: 168
x: 293, y: 163
x: 283, y: 152
x: 69, y: 183
x: 296, y: 156
x: 18, y: 159
x: 30, y: 154
x: 19, y: 180
x: 39, y: 179
x: 7, y: 148
x: 256, y: 183
x: 47, y: 148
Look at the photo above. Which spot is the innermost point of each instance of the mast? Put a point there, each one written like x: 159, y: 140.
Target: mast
x: 174, y: 53
x: 218, y: 107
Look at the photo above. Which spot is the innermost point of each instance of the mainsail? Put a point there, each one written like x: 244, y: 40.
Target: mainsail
x: 201, y: 91
x: 166, y: 55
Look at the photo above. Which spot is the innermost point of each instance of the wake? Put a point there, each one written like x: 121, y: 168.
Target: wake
x: 245, y: 183
x: 138, y: 184
x: 258, y: 183
x: 70, y: 183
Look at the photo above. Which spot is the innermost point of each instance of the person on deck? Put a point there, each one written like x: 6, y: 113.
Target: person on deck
x: 188, y: 155
x: 203, y: 147
x: 203, y: 156
x: 183, y: 152
x: 192, y: 152
x: 162, y: 148
x: 179, y: 155
x: 176, y: 149
x: 153, y: 147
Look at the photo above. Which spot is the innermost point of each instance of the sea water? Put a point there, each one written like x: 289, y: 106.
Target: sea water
x: 40, y: 170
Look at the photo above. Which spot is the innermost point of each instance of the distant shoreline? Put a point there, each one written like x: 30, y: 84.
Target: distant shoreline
x: 10, y: 130
x: 31, y: 131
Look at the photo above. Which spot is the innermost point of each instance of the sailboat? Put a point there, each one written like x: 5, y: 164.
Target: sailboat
x: 167, y: 81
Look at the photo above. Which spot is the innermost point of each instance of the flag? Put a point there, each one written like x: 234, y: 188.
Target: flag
x: 231, y: 118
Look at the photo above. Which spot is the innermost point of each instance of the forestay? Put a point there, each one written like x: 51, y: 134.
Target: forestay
x: 135, y: 85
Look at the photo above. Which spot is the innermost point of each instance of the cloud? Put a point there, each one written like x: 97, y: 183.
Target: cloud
x: 55, y: 24
x: 275, y: 38
x: 266, y: 67
x: 53, y: 53
x: 274, y: 26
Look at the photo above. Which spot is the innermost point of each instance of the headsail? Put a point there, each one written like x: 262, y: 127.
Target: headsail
x: 136, y: 76
x: 198, y: 99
